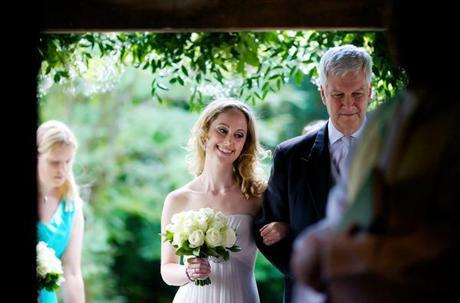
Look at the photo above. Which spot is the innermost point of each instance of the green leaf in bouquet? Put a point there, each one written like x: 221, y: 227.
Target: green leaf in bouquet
x: 226, y: 256
x: 203, y: 253
x: 196, y: 252
x: 184, y: 250
x: 210, y: 251
x: 168, y: 236
x: 220, y: 250
x: 234, y: 248
x: 49, y: 282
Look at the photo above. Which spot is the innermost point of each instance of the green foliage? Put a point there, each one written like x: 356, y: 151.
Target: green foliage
x: 269, y: 280
x: 169, y: 236
x: 246, y: 65
x: 97, y: 260
x: 286, y: 113
x: 48, y: 282
x: 234, y: 248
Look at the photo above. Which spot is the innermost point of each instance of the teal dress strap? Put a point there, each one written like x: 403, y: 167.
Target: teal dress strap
x: 56, y: 234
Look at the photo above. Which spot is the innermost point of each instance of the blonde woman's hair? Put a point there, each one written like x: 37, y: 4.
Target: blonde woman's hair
x: 52, y: 134
x: 246, y: 167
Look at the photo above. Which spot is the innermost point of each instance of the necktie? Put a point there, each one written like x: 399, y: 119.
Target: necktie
x: 342, y: 147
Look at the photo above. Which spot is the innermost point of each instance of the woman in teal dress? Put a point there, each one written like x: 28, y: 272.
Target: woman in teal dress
x: 60, y: 217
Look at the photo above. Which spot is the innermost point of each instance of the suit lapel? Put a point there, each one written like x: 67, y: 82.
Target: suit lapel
x: 317, y: 172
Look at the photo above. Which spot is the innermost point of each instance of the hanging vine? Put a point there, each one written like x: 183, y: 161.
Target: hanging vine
x: 247, y: 65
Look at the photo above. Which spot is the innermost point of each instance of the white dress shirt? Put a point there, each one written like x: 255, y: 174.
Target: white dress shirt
x: 340, y: 145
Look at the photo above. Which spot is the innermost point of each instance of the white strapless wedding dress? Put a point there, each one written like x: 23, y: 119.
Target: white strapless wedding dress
x: 232, y: 281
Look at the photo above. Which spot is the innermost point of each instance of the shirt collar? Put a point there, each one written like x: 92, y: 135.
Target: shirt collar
x: 334, y: 134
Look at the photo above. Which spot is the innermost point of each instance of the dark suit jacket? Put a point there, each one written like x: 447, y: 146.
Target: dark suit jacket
x: 297, y: 194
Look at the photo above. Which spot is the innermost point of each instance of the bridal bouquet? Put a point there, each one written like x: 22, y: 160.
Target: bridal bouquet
x: 49, y: 268
x: 202, y: 233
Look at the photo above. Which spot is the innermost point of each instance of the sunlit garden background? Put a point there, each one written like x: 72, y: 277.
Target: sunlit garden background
x: 132, y: 109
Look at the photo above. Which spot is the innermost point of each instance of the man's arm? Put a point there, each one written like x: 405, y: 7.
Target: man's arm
x: 308, y: 247
x: 275, y: 207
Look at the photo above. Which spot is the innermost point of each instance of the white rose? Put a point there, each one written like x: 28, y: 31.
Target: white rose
x: 213, y: 237
x: 201, y: 221
x: 220, y: 217
x: 54, y: 265
x: 229, y: 237
x: 196, y: 238
x: 178, y: 218
x: 219, y: 221
x: 182, y: 222
x: 179, y: 238
x: 207, y: 212
x: 47, y: 262
x: 189, y: 225
x: 176, y: 222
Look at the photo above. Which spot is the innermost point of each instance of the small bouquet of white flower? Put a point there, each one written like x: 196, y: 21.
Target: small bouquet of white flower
x: 202, y: 233
x: 49, y: 268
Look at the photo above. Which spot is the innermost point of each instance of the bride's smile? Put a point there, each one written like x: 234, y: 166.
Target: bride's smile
x: 224, y: 150
x: 227, y: 135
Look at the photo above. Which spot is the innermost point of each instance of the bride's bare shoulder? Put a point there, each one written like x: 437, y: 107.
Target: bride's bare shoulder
x: 180, y: 197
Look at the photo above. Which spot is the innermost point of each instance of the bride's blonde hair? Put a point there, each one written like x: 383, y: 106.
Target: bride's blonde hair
x: 246, y: 167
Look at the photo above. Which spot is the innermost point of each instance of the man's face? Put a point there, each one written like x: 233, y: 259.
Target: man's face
x: 346, y: 98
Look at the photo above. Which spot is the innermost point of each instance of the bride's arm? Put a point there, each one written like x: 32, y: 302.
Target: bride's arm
x: 172, y: 272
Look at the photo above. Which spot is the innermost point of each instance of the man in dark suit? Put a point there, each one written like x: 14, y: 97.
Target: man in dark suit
x: 306, y: 167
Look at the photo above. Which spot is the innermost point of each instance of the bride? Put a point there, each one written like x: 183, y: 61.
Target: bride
x: 225, y: 147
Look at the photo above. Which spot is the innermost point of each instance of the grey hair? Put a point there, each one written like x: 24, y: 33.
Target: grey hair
x: 342, y: 59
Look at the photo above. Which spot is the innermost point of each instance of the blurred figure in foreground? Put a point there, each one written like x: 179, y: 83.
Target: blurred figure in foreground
x: 391, y: 233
